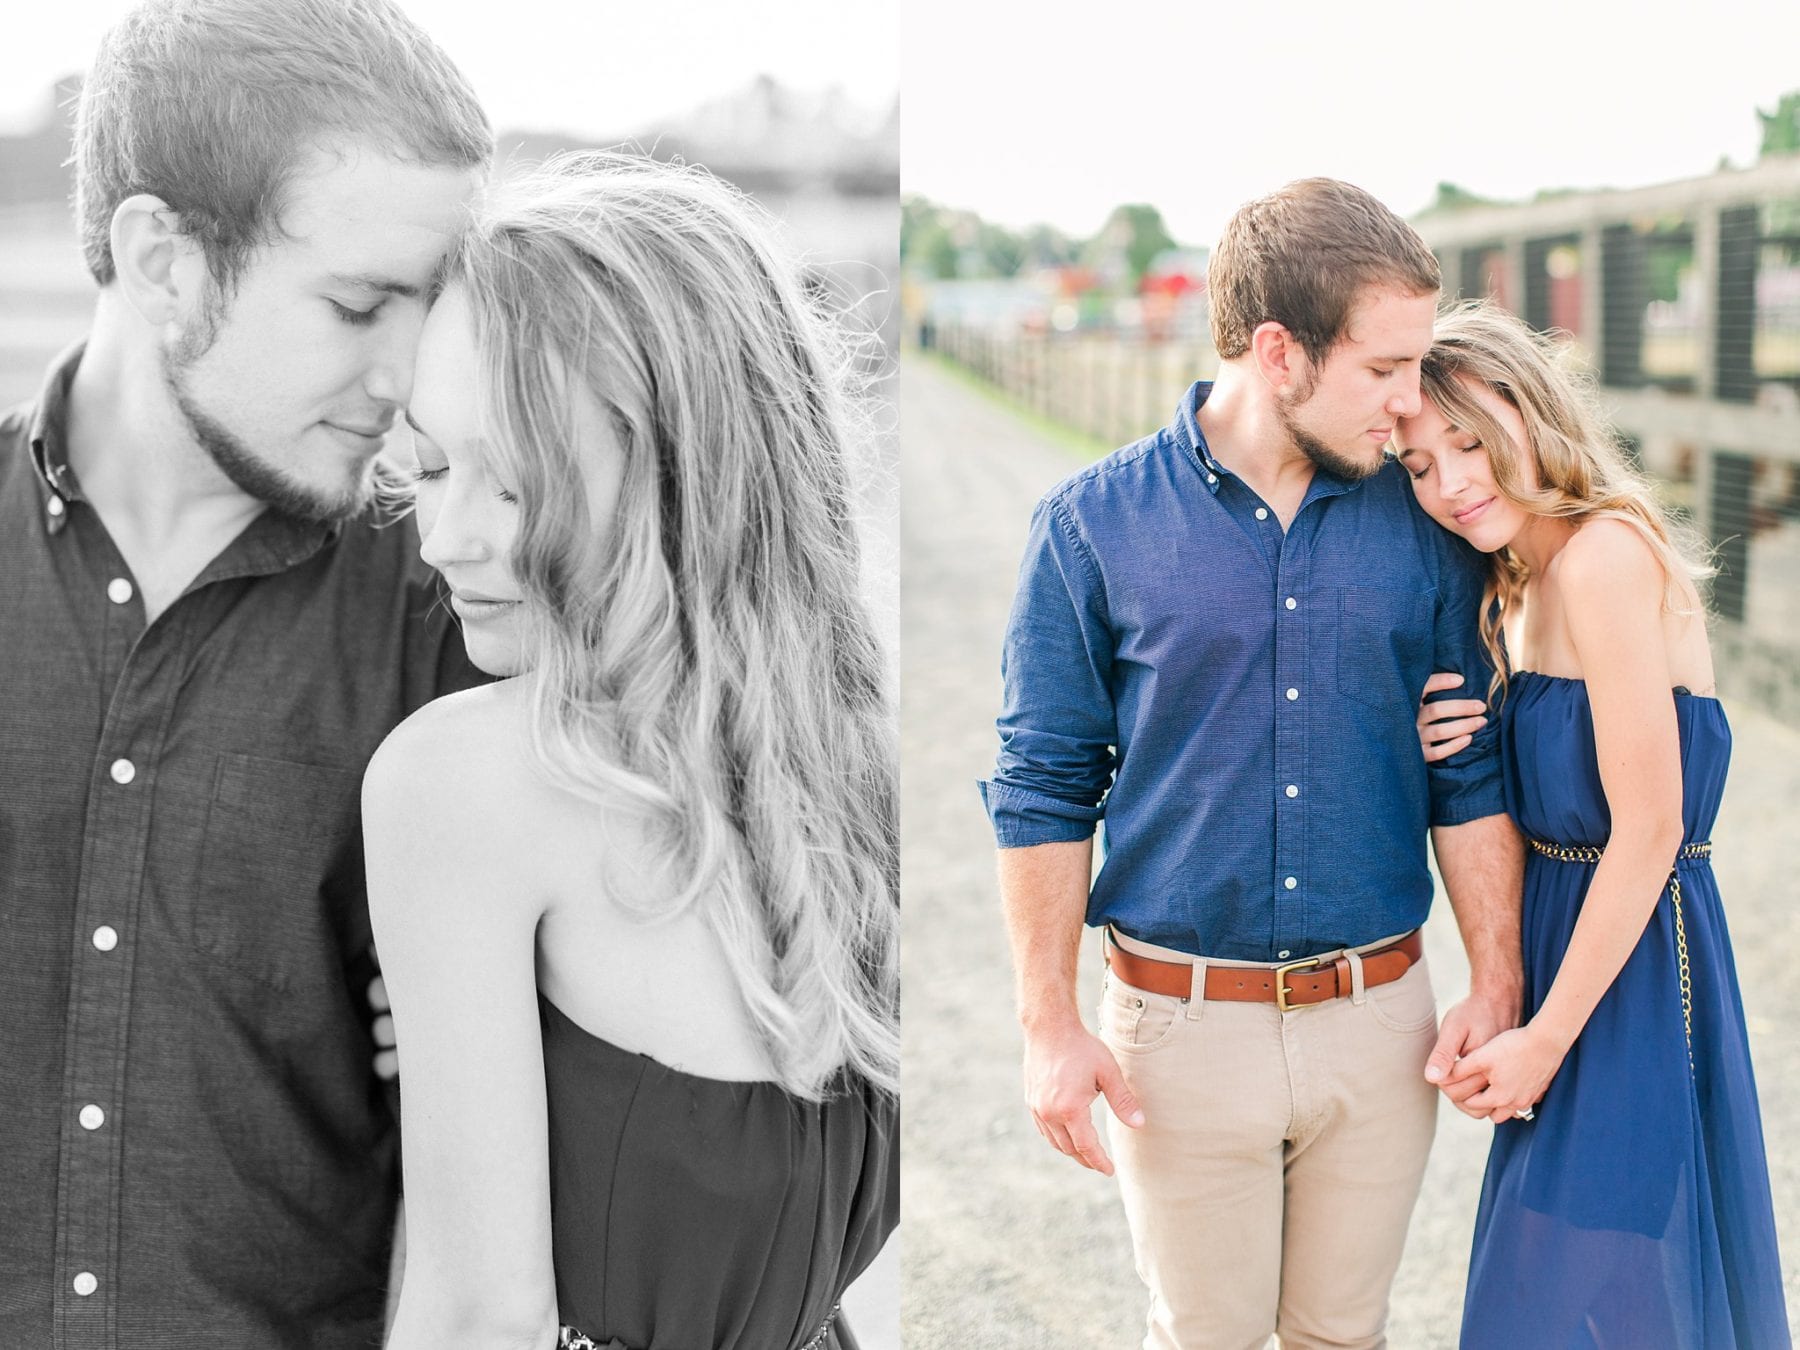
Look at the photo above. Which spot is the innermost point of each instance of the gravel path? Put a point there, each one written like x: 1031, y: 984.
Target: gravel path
x: 1009, y: 1246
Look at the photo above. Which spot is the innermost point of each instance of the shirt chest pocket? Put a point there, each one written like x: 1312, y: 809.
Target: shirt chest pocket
x: 278, y: 834
x: 1383, y: 641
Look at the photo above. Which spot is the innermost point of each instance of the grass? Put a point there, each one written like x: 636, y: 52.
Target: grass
x: 1077, y: 443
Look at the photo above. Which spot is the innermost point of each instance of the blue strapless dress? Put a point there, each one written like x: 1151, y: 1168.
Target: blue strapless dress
x: 1633, y: 1213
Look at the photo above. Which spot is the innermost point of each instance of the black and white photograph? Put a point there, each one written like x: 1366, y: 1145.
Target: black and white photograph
x: 449, y: 840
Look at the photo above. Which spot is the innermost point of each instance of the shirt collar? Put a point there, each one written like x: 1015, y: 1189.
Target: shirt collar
x: 48, y: 430
x: 1190, y: 439
x: 273, y: 542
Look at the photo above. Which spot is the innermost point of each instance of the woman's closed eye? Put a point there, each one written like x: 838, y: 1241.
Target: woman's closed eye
x: 421, y: 474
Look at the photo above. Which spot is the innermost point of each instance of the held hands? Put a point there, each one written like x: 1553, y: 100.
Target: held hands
x: 1447, y: 725
x: 1515, y: 1068
x: 1467, y: 1027
x: 1064, y: 1069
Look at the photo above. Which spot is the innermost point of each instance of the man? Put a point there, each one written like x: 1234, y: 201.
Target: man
x: 205, y: 638
x: 1217, y: 644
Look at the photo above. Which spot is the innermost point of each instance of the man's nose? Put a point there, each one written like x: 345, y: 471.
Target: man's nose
x: 1406, y: 399
x: 390, y: 376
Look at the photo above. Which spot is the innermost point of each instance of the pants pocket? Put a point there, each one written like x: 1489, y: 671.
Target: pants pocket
x: 1136, y: 1021
x: 1406, y: 1005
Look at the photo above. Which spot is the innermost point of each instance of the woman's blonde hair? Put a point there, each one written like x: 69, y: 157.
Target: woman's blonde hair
x: 700, y: 654
x: 1582, y: 471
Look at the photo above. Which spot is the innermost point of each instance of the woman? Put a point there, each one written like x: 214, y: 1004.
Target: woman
x: 1626, y: 1202
x: 637, y: 901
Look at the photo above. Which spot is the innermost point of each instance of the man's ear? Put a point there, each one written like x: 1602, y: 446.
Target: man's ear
x: 1279, y: 358
x: 160, y: 270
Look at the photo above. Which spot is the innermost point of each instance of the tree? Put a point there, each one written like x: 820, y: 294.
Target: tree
x: 1781, y: 128
x: 926, y: 239
x: 1136, y: 234
x: 1047, y: 246
x: 1454, y: 197
x: 1001, y: 249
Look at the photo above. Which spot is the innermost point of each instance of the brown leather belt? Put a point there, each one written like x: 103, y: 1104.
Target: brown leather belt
x: 1293, y: 984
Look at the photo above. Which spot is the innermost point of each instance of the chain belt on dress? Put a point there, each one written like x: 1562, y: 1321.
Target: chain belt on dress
x: 571, y: 1339
x: 1587, y: 853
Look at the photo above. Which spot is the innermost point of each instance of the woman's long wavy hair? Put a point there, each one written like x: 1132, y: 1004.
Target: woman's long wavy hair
x: 700, y: 655
x: 1583, y: 472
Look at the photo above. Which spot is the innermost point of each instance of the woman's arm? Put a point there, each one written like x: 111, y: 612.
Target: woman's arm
x: 1611, y: 586
x: 455, y: 926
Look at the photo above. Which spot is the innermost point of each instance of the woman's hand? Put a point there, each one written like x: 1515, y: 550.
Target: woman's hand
x: 1518, y: 1066
x: 1449, y: 724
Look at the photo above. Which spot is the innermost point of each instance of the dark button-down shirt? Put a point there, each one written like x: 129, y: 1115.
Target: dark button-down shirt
x: 1237, y: 701
x: 194, y: 1151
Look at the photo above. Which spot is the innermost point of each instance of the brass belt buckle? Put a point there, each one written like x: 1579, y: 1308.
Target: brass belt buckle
x: 1281, y: 988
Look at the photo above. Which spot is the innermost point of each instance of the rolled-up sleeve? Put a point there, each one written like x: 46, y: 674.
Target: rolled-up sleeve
x: 1467, y: 786
x: 1057, y: 723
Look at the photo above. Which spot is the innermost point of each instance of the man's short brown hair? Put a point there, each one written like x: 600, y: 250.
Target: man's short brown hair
x: 1300, y: 257
x: 212, y: 105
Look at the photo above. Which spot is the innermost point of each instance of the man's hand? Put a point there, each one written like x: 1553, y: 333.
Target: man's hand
x: 1064, y: 1070
x: 387, y: 1059
x: 1467, y: 1027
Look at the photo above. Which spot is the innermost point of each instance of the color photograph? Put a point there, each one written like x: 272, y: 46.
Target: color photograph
x: 1350, y: 468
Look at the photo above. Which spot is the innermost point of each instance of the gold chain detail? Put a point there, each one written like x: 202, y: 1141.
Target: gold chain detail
x: 825, y: 1330
x: 1687, y: 984
x: 1587, y: 853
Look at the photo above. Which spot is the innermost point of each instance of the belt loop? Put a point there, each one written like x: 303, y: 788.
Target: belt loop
x: 1196, y: 989
x: 1358, y: 993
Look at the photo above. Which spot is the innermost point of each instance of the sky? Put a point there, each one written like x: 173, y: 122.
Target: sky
x: 1199, y: 106
x: 595, y: 67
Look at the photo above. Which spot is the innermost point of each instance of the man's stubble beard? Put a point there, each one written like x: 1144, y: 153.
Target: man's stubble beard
x: 234, y: 457
x: 1321, y: 455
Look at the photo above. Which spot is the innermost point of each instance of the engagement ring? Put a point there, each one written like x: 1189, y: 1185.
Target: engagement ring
x: 1526, y: 1114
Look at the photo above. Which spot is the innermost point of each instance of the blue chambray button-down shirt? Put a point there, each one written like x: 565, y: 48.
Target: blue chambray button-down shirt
x: 1238, y: 702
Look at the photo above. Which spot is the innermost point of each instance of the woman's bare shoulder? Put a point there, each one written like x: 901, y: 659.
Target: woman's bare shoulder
x: 450, y: 795
x: 1611, y: 554
x: 469, y: 743
x: 1610, y: 561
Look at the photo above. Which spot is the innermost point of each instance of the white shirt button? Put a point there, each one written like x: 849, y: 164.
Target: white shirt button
x: 105, y: 938
x: 91, y: 1117
x: 1262, y: 513
x: 85, y: 1283
x: 1282, y: 955
x: 118, y: 590
x: 1290, y: 883
x: 123, y: 771
x: 1292, y: 791
x: 1212, y: 478
x: 1290, y: 602
x: 1293, y: 694
x: 54, y: 506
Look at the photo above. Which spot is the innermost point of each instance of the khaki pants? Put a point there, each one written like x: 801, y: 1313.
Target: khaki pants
x: 1270, y: 1186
